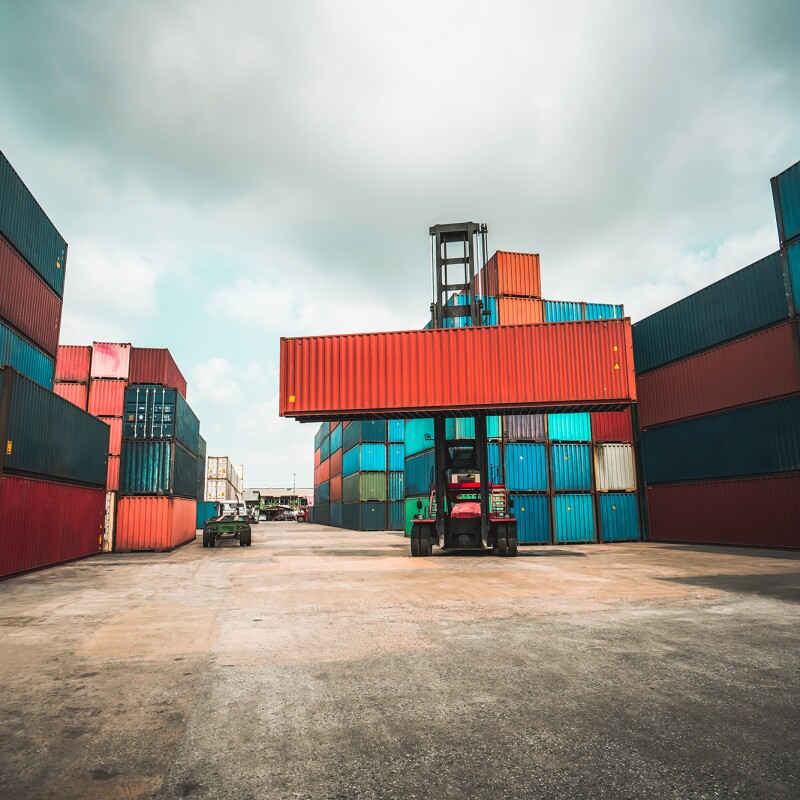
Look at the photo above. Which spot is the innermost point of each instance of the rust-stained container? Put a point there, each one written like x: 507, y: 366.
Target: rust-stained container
x: 762, y: 512
x: 557, y: 366
x: 73, y: 362
x: 111, y: 360
x: 26, y: 301
x: 516, y: 274
x: 46, y: 523
x: 336, y: 488
x: 519, y: 310
x: 761, y: 366
x: 115, y: 440
x: 612, y: 426
x: 155, y: 365
x: 336, y: 464
x: 76, y: 393
x: 112, y: 479
x: 106, y: 397
x: 154, y: 523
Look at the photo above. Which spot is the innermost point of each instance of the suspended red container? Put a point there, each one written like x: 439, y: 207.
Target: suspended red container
x: 46, y: 523
x: 573, y: 366
x: 612, y: 426
x: 73, y: 363
x: 155, y: 365
x: 516, y: 274
x: 110, y: 360
x: 76, y: 393
x: 106, y: 397
x: 154, y: 523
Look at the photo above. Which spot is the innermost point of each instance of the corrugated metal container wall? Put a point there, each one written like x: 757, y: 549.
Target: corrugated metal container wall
x: 109, y: 523
x: 571, y: 467
x: 759, y: 440
x: 525, y: 427
x: 322, y: 493
x: 335, y: 488
x: 364, y: 486
x: 396, y: 482
x: 325, y: 449
x: 419, y: 473
x: 563, y: 311
x: 318, y: 437
x: 335, y: 514
x: 793, y: 257
x: 750, y: 370
x: 72, y: 363
x: 336, y: 463
x: 612, y: 426
x: 47, y: 523
x: 744, y: 302
x: 112, y: 474
x: 364, y: 516
x: 370, y: 430
x: 418, y: 435
x: 48, y: 436
x: 786, y: 192
x: 324, y: 470
x: 324, y: 431
x: 411, y: 510
x: 335, y: 439
x: 28, y: 228
x: 159, y: 413
x: 154, y: 523
x: 21, y: 355
x: 27, y: 303
x: 201, y: 469
x: 574, y: 518
x: 619, y: 517
x: 317, y: 457
x: 396, y: 430
x: 219, y: 489
x: 322, y: 514
x: 106, y: 398
x: 162, y: 468
x: 533, y: 517
x: 397, y: 457
x: 115, y: 436
x: 526, y: 467
x: 569, y: 427
x: 495, y: 470
x: 364, y: 458
x: 206, y: 510
x: 396, y: 518
x: 155, y: 365
x: 75, y: 393
x: 614, y: 468
x: 220, y: 467
x: 511, y: 274
x: 761, y: 511
x: 459, y: 428
x: 603, y: 311
x: 110, y: 360
x: 519, y: 311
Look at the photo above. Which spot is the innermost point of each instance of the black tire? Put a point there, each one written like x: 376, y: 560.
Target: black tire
x: 242, y: 539
x: 512, y: 544
x: 205, y: 539
x: 502, y: 544
x: 249, y: 538
x: 425, y: 546
x: 415, y: 540
x: 212, y: 541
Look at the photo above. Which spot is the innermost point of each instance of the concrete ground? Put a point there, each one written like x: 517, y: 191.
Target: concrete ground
x: 322, y: 663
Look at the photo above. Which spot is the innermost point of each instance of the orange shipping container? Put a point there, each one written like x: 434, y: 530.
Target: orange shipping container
x: 75, y: 393
x: 317, y: 457
x: 112, y: 481
x: 154, y: 523
x: 72, y: 363
x: 519, y: 310
x: 336, y: 488
x: 516, y: 274
x: 336, y: 463
x: 106, y: 398
x: 324, y: 471
x: 115, y: 438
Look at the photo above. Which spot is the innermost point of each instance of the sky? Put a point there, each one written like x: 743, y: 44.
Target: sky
x: 229, y: 173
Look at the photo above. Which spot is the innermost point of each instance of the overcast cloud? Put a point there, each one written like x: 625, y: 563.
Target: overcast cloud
x: 229, y: 173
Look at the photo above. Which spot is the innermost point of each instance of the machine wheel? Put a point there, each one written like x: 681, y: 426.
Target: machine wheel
x: 242, y: 539
x: 205, y: 538
x: 212, y: 541
x: 425, y: 544
x: 415, y: 540
x: 512, y: 544
x: 502, y: 545
x: 249, y: 538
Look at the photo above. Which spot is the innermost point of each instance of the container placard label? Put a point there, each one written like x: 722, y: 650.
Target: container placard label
x: 9, y: 445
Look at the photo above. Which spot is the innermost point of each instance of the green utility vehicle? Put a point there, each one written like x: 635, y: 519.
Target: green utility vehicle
x: 232, y: 526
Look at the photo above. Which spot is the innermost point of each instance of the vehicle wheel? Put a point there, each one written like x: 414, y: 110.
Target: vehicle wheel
x: 212, y: 541
x: 415, y: 540
x: 249, y: 538
x: 425, y: 544
x: 512, y: 544
x: 205, y: 539
x: 502, y: 544
x: 242, y: 539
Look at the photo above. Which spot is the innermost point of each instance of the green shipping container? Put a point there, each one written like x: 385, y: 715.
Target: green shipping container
x: 160, y: 468
x: 364, y: 486
x: 411, y: 510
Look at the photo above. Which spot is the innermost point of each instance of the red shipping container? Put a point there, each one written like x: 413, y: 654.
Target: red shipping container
x: 758, y: 367
x: 26, y: 302
x: 154, y: 523
x: 112, y: 482
x: 115, y: 437
x: 106, y: 397
x: 111, y: 360
x: 46, y: 523
x: 336, y: 488
x: 763, y: 512
x: 519, y: 311
x: 336, y: 463
x: 317, y: 457
x: 73, y: 362
x: 516, y: 274
x: 612, y: 426
x: 76, y: 393
x: 569, y: 366
x: 155, y: 365
x: 324, y: 471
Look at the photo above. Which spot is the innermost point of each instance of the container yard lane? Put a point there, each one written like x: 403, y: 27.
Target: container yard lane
x: 326, y: 663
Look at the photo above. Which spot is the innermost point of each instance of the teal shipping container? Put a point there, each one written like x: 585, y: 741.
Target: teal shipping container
x: 603, y: 311
x: 744, y: 302
x: 47, y: 436
x: 26, y: 358
x: 24, y: 225
x: 495, y: 464
x: 364, y: 458
x: 786, y: 194
x: 335, y: 439
x: 364, y: 516
x: 362, y: 486
x: 206, y: 510
x: 793, y: 259
x: 397, y: 485
x: 526, y: 467
x: 157, y: 413
x: 562, y: 311
x: 569, y: 427
x: 571, y: 467
x: 418, y: 435
x: 533, y: 517
x: 201, y: 469
x: 573, y: 518
x: 335, y: 515
x: 397, y: 430
x: 419, y: 473
x: 318, y: 437
x: 397, y: 457
x: 619, y: 517
x: 157, y: 467
x: 322, y: 513
x: 464, y: 428
x: 325, y: 449
x: 370, y: 430
x: 397, y: 516
x: 489, y: 311
x: 322, y: 493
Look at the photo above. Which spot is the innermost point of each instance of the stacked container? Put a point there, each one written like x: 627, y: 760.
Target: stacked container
x: 222, y: 480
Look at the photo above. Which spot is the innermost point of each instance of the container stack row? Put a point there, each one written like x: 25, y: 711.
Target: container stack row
x: 223, y: 480
x: 718, y: 380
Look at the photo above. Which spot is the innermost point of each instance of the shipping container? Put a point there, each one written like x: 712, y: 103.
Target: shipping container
x: 220, y: 489
x: 155, y: 365
x: 323, y: 471
x: 163, y: 468
x: 742, y: 303
x: 758, y: 440
x: 336, y: 463
x: 206, y: 510
x: 507, y: 273
x: 110, y: 360
x: 762, y: 512
x: 792, y: 254
x: 758, y: 367
x: 220, y: 467
x: 159, y: 413
x: 619, y: 517
x: 584, y: 366
x: 396, y: 457
x: 411, y: 510
x: 27, y: 303
x: 569, y: 427
x: 115, y: 436
x: 496, y: 474
x: 25, y: 225
x: 368, y: 430
x: 364, y: 486
x: 364, y: 458
x: 364, y: 516
x: 519, y: 310
x: 603, y: 311
x: 573, y: 516
x: 488, y: 309
x: 335, y: 439
x: 201, y: 469
x: 112, y: 474
x: 786, y: 194
x: 533, y: 517
x: 525, y: 427
x: 526, y: 467
x: 396, y: 516
x: 47, y: 523
x: 396, y: 485
x: 396, y: 429
x: 46, y: 436
x: 322, y: 493
x: 418, y: 435
x: 613, y: 426
x: 75, y: 393
x: 419, y: 475
x: 109, y: 522
x: 72, y: 363
x: 335, y: 514
x: 155, y: 523
x: 335, y: 490
x: 322, y: 513
x: 27, y: 359
x: 325, y: 449
x: 614, y: 468
x: 563, y: 311
x: 571, y: 467
x: 106, y: 397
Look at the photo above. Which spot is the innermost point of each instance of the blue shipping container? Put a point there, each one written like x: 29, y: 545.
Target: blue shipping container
x: 562, y: 311
x: 370, y: 430
x: 574, y: 518
x: 495, y: 468
x: 153, y: 412
x: 787, y: 202
x: 793, y: 257
x: 569, y: 427
x: 206, y: 510
x: 418, y: 435
x: 526, y: 467
x: 364, y: 516
x: 364, y: 458
x: 157, y: 468
x: 397, y: 516
x: 619, y: 517
x: 572, y: 467
x: 322, y: 493
x: 325, y: 449
x: 397, y: 457
x: 26, y: 358
x: 322, y: 513
x: 397, y: 484
x: 335, y: 515
x: 397, y: 430
x: 419, y: 473
x: 604, y: 311
x: 533, y: 517
x: 489, y: 311
x: 336, y: 439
